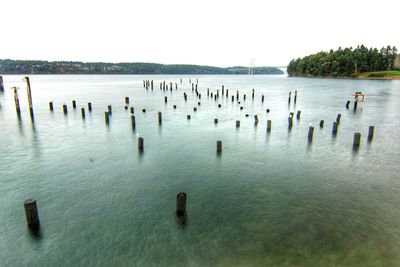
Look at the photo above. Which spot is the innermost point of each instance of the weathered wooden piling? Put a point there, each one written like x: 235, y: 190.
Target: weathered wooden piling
x: 74, y: 104
x: 355, y: 104
x: 338, y: 118
x: 126, y: 100
x: 233, y: 98
x: 246, y: 115
x: 290, y: 96
x: 165, y: 99
x: 89, y: 107
x: 215, y: 121
x: 269, y: 125
x: 159, y: 117
x: 181, y: 204
x: 133, y: 121
x: 65, y: 109
x: 1, y: 84
x: 174, y: 106
x: 290, y: 122
x: 51, y: 107
x: 255, y: 119
x: 226, y: 93
x: 132, y: 110
x: 194, y: 109
x: 198, y: 103
x: 109, y: 110
x: 321, y: 124
x: 237, y: 124
x: 310, y: 132
x: 298, y: 114
x: 140, y: 143
x: 252, y: 94
x: 83, y: 113
x: 31, y: 212
x: 219, y: 105
x: 144, y: 110
x: 29, y: 92
x: 335, y: 127
x: 347, y: 104
x: 16, y: 101
x: 356, y: 139
x: 244, y: 97
x: 371, y: 132
x: 237, y: 95
x: 208, y: 91
x: 219, y: 146
x: 267, y: 110
x: 295, y: 97
x: 215, y: 97
x: 107, y: 117
x: 241, y: 108
x: 126, y: 107
x: 262, y: 98
x: 188, y: 117
x: 151, y: 84
x: 222, y: 90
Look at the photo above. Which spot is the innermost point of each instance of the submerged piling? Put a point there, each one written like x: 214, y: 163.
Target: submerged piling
x: 165, y: 99
x: 65, y: 109
x: 31, y: 212
x: 107, y: 117
x: 1, y: 84
x: 83, y: 112
x: 269, y: 125
x: 188, y: 117
x: 132, y: 110
x: 133, y: 121
x: 347, y: 104
x: 237, y: 124
x: 290, y: 122
x: 74, y: 104
x: 181, y: 204
x: 371, y: 133
x: 338, y: 118
x: 298, y: 114
x: 89, y: 107
x: 159, y: 118
x: 140, y: 143
x: 51, y: 107
x: 310, y: 132
x: 109, y: 110
x: 356, y: 139
x: 295, y: 97
x: 335, y: 128
x: 215, y: 121
x: 321, y: 124
x: 219, y: 146
x: 16, y: 100
x: 255, y: 119
x: 126, y: 100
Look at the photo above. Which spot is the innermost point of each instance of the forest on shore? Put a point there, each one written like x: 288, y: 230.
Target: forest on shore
x: 347, y: 62
x: 8, y: 66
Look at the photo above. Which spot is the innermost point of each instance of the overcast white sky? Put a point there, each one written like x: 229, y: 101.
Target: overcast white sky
x: 206, y: 32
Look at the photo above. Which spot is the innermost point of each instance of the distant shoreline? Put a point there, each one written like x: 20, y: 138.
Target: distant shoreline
x: 30, y: 67
x: 361, y: 76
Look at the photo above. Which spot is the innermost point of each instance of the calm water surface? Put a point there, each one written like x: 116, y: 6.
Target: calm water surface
x: 269, y: 199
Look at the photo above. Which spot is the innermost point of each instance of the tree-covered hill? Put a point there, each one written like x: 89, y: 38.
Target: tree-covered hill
x: 347, y: 62
x: 8, y: 66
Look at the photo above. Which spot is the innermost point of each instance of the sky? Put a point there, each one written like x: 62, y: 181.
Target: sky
x: 204, y: 32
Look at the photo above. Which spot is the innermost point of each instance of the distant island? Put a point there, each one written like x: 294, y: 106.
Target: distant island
x: 8, y: 66
x: 360, y: 62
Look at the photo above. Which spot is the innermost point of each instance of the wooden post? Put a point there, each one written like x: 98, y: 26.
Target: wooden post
x: 338, y: 118
x: 73, y: 104
x: 126, y: 100
x: 269, y: 126
x: 28, y: 89
x: 244, y: 97
x: 252, y: 94
x: 83, y: 112
x: 233, y: 98
x: 107, y: 117
x: 188, y: 117
x: 133, y: 121
x: 226, y: 93
x: 16, y: 100
x: 165, y: 99
x: 321, y: 124
x: 132, y: 110
x: 298, y: 114
x: 219, y: 146
x: 290, y: 96
x: 262, y: 98
x: 371, y: 132
x: 295, y: 96
x: 222, y: 90
x: 51, y: 106
x: 219, y: 105
x: 31, y: 212
x: 159, y: 118
x: 194, y: 109
x: 181, y: 204
x: 348, y: 104
x: 255, y: 119
x: 198, y: 103
x: 89, y: 107
x: 1, y: 84
x: 335, y: 128
x: 65, y: 109
x: 310, y: 132
x: 357, y: 139
x: 109, y: 110
x: 237, y: 124
x: 144, y: 110
x: 290, y: 121
x: 237, y: 95
x: 174, y: 106
x: 215, y: 121
x: 355, y: 104
x: 140, y: 143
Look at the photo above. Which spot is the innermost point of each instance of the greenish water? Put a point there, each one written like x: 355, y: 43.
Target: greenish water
x: 269, y: 199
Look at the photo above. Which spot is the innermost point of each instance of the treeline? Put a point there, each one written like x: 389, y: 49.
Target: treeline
x: 8, y: 66
x: 346, y: 62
